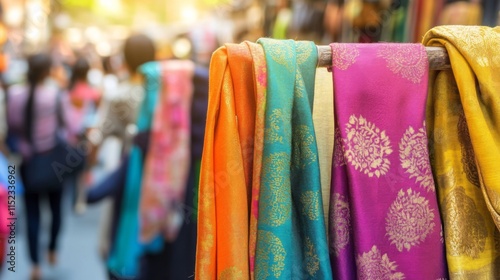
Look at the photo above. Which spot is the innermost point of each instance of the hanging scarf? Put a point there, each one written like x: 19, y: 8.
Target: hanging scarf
x: 168, y: 160
x: 291, y: 239
x: 463, y: 116
x: 226, y: 171
x: 127, y: 249
x: 384, y: 216
x: 260, y: 81
x: 323, y: 126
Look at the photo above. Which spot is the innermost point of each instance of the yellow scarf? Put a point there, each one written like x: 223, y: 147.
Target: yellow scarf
x: 463, y: 119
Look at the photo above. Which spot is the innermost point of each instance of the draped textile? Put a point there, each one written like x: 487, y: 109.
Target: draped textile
x: 168, y: 159
x: 463, y: 115
x: 226, y: 169
x: 291, y: 239
x: 384, y: 216
x: 260, y: 81
x: 127, y: 248
x: 323, y: 126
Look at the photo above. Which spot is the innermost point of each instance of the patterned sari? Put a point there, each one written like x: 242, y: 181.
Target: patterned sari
x: 167, y: 162
x: 384, y: 215
x: 127, y: 248
x: 463, y: 115
x: 291, y: 239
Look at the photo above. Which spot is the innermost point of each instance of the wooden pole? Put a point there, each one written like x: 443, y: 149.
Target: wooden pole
x: 438, y: 57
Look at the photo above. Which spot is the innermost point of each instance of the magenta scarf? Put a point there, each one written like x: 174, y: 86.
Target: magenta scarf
x: 168, y: 159
x: 384, y: 216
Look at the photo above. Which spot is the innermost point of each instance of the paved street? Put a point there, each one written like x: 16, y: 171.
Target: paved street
x: 78, y: 257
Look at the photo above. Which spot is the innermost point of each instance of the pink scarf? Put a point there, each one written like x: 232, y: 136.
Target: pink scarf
x: 385, y: 221
x: 167, y: 162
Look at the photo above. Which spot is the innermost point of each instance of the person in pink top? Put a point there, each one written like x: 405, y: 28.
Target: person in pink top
x: 84, y: 100
x: 36, y: 115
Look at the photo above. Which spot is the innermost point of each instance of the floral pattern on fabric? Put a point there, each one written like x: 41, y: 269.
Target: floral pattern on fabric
x: 373, y: 265
x: 409, y: 220
x: 368, y: 147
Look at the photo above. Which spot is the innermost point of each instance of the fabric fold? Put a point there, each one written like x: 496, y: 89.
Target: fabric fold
x: 227, y: 167
x: 384, y: 215
x: 463, y: 115
x: 260, y: 82
x: 291, y: 238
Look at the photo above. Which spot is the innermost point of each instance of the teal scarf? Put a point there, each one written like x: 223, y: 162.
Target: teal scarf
x: 291, y: 238
x: 127, y: 249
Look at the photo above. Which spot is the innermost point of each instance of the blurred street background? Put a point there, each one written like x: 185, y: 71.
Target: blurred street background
x: 92, y: 51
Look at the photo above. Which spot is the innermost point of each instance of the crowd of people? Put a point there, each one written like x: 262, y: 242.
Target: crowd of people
x: 57, y: 121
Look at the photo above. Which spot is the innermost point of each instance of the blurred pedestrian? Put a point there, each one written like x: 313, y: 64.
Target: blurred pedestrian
x: 119, y: 121
x: 36, y: 118
x: 84, y: 100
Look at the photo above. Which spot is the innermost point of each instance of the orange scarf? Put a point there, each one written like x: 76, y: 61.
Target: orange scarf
x: 226, y: 170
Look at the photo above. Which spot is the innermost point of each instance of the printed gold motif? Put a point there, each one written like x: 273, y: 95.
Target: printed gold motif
x: 310, y: 204
x: 414, y: 157
x: 278, y: 197
x: 409, y: 220
x: 271, y: 260
x: 373, y: 265
x: 312, y: 260
x: 341, y: 218
x: 231, y: 273
x: 465, y: 228
x: 343, y: 56
x: 468, y: 156
x: 367, y: 147
x: 404, y: 61
x: 281, y: 52
x: 339, y: 151
x: 303, y: 141
x: 277, y: 127
x: 304, y: 51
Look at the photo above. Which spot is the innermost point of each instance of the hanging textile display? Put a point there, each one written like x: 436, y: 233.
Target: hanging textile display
x: 168, y: 160
x: 125, y: 253
x: 226, y: 168
x: 260, y: 80
x: 384, y: 216
x: 463, y: 116
x: 291, y: 238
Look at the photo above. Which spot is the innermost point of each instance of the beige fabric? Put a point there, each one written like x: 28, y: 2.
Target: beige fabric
x: 324, y: 128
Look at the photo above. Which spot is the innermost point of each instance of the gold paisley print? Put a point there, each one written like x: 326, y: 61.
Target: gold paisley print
x: 303, y: 141
x: 468, y: 157
x: 373, y: 265
x: 409, y: 220
x: 310, y: 204
x: 465, y: 228
x: 281, y: 53
x: 338, y: 151
x: 343, y: 56
x: 472, y: 40
x: 312, y: 260
x: 278, y: 196
x: 414, y: 157
x: 403, y: 61
x: 277, y: 128
x: 271, y: 261
x: 367, y: 147
x: 231, y: 273
x: 341, y: 218
x: 304, y: 51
